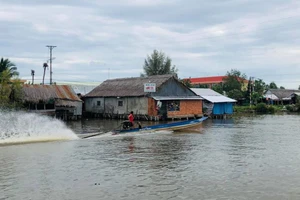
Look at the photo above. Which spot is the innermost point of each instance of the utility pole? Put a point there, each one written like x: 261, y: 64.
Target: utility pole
x: 50, y: 48
x: 250, y: 90
x: 32, y: 74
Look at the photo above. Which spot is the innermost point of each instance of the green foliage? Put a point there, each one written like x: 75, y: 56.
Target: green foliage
x: 7, y: 65
x: 255, y: 96
x: 187, y: 82
x: 273, y: 85
x: 201, y: 86
x: 271, y: 109
x: 243, y: 109
x: 233, y: 84
x: 264, y: 109
x: 297, y: 107
x: 259, y: 86
x: 281, y: 87
x: 158, y: 64
x: 261, y: 108
x: 218, y: 88
x: 10, y: 91
x: 290, y: 108
x: 235, y: 94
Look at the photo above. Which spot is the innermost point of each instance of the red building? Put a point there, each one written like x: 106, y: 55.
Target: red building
x: 211, y: 80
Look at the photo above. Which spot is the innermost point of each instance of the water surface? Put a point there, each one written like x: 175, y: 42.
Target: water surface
x: 244, y: 158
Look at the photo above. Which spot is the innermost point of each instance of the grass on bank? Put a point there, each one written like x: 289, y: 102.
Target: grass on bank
x: 266, y: 109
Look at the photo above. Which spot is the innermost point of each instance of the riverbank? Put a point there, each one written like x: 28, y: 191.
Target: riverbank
x: 262, y: 108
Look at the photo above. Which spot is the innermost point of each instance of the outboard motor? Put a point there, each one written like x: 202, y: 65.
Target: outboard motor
x: 126, y: 125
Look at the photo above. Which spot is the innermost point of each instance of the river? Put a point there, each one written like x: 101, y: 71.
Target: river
x: 250, y: 157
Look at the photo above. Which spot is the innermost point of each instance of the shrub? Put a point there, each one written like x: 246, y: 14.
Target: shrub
x: 262, y: 108
x: 271, y: 109
x: 297, y: 107
x: 289, y: 108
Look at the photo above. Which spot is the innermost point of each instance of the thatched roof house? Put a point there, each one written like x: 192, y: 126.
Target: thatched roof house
x: 61, y: 95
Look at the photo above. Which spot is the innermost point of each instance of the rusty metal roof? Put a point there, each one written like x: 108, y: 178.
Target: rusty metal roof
x: 127, y: 86
x: 44, y: 93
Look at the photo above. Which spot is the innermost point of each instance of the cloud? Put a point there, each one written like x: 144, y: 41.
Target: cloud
x: 97, y: 40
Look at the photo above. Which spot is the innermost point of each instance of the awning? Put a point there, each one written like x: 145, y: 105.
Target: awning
x: 165, y: 98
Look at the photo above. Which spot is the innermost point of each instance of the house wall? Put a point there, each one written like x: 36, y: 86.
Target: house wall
x: 187, y: 108
x: 152, y: 107
x: 222, y: 108
x: 78, y: 108
x: 139, y: 105
x: 90, y: 105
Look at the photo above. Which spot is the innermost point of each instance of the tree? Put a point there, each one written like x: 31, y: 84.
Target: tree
x: 235, y: 94
x: 10, y: 91
x: 187, y: 82
x: 281, y: 87
x: 158, y: 64
x: 299, y: 87
x: 6, y: 64
x: 233, y: 84
x: 259, y: 86
x: 273, y: 85
x: 218, y: 88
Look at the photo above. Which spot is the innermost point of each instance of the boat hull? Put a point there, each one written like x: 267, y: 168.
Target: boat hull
x: 170, y: 126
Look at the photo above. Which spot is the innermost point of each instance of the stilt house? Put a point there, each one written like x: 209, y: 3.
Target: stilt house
x: 58, y: 100
x: 153, y: 97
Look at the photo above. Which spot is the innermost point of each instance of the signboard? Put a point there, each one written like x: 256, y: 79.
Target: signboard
x: 149, y: 87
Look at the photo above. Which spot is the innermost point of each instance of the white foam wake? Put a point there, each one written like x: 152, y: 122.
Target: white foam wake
x: 21, y: 127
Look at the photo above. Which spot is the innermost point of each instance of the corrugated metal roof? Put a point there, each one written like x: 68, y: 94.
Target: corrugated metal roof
x: 211, y: 95
x: 219, y: 99
x: 83, y: 89
x: 176, y: 98
x: 126, y: 86
x: 284, y: 94
x: 44, y: 93
x: 205, y: 92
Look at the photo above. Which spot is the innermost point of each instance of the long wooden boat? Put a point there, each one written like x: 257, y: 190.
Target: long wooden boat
x: 169, y: 126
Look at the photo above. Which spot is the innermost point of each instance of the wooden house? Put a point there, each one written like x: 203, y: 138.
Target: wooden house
x: 58, y: 100
x: 215, y: 104
x: 169, y: 98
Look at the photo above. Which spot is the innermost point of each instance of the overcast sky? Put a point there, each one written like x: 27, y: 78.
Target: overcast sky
x: 98, y: 39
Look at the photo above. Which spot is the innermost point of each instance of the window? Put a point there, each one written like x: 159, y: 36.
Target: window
x: 120, y: 103
x: 173, y: 105
x: 98, y: 103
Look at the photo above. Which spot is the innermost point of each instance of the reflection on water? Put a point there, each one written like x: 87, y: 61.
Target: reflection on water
x: 244, y: 158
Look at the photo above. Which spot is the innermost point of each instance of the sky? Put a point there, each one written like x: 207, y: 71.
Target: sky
x: 98, y: 40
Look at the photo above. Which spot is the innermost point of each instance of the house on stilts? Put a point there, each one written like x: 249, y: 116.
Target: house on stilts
x: 215, y: 104
x: 159, y: 97
x: 55, y: 100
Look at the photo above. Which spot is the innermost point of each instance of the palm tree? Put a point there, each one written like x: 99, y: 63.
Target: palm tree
x: 6, y: 64
x: 158, y: 64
